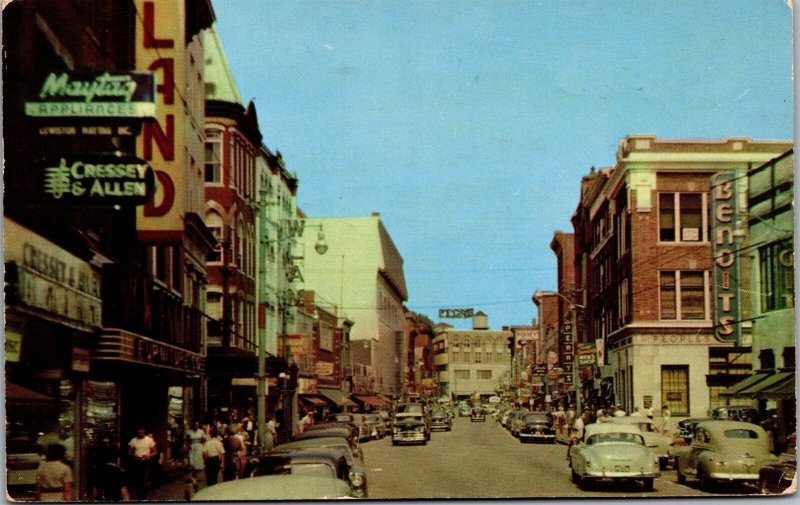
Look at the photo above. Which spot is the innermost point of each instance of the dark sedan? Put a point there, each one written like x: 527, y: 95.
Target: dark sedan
x: 440, y: 420
x: 537, y: 426
x: 478, y: 414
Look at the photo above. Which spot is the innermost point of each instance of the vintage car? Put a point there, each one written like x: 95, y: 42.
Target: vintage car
x: 654, y: 439
x: 613, y: 451
x: 322, y: 462
x: 276, y: 487
x: 776, y: 477
x: 345, y: 431
x: 415, y: 415
x: 478, y: 414
x: 725, y: 451
x: 734, y: 413
x: 339, y: 418
x: 509, y: 419
x: 380, y: 428
x: 366, y: 430
x: 440, y: 420
x: 464, y: 410
x: 355, y: 459
x: 23, y: 457
x: 687, y: 426
x: 536, y: 426
x: 410, y: 429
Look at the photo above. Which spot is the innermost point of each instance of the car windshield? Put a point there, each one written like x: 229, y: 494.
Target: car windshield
x: 538, y: 417
x: 602, y: 438
x: 741, y: 433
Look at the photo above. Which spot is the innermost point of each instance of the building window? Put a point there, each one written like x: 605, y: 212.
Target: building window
x: 766, y: 359
x: 484, y: 374
x: 683, y: 295
x: 788, y: 357
x: 681, y: 217
x: 675, y: 389
x: 213, y: 157
x: 776, y: 263
x: 461, y: 374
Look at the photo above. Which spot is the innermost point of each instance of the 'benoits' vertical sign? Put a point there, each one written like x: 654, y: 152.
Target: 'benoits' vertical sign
x: 726, y: 230
x: 160, y: 29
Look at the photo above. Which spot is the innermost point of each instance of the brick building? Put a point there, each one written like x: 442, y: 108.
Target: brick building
x: 644, y: 248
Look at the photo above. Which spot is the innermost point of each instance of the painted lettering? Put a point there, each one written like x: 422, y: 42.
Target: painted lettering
x: 164, y: 140
x: 725, y: 258
x: 149, y: 21
x: 723, y: 212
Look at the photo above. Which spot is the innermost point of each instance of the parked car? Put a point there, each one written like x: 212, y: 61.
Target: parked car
x: 654, y: 439
x: 339, y: 418
x: 410, y: 429
x: 23, y: 457
x: 478, y: 414
x: 536, y: 426
x: 440, y: 420
x: 687, y: 426
x: 344, y: 431
x: 357, y: 475
x: 725, y: 451
x: 613, y: 451
x: 380, y: 429
x: 464, y: 410
x: 776, y: 477
x: 276, y: 487
x: 735, y: 413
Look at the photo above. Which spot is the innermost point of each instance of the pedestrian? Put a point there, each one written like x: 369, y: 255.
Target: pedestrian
x: 560, y: 419
x: 272, y: 432
x: 196, y: 437
x: 620, y: 412
x: 250, y: 427
x: 636, y: 412
x: 666, y: 414
x: 233, y: 445
x: 213, y: 452
x: 54, y: 477
x: 142, y: 448
x: 650, y: 412
x: 306, y: 421
x: 570, y: 418
x: 111, y: 482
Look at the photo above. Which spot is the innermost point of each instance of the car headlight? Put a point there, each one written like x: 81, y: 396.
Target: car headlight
x: 356, y: 479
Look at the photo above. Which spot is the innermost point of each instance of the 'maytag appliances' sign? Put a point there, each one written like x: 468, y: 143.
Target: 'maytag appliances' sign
x: 98, y: 179
x: 84, y: 94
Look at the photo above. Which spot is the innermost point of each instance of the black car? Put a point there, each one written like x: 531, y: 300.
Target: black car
x: 440, y: 420
x: 349, y: 432
x: 478, y: 414
x: 410, y: 430
x: 537, y: 426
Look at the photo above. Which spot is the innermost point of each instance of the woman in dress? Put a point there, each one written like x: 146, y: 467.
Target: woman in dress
x: 196, y: 438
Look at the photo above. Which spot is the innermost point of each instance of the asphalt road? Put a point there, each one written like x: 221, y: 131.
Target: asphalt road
x: 482, y: 460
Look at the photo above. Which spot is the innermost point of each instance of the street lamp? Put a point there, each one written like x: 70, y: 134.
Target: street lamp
x: 574, y: 319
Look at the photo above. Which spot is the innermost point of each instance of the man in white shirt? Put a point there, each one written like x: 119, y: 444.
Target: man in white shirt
x: 142, y: 448
x: 212, y: 455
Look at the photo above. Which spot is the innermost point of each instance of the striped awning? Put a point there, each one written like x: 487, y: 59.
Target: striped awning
x: 745, y: 383
x: 780, y: 389
x: 337, y: 396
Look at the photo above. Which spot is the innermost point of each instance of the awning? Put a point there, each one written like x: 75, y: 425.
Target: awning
x: 745, y: 383
x: 784, y: 388
x: 371, y: 400
x: 337, y: 397
x: 15, y: 392
x: 315, y: 400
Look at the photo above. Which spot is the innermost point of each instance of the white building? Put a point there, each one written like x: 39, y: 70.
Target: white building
x: 362, y: 272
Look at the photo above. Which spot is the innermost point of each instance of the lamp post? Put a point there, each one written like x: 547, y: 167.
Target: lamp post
x: 573, y: 308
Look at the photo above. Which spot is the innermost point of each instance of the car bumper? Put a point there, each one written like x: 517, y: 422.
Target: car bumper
x: 604, y: 474
x: 537, y: 436
x: 732, y: 476
x: 409, y: 437
x: 442, y: 426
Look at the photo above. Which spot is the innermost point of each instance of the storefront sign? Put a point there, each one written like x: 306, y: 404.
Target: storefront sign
x: 456, y: 313
x: 299, y: 343
x: 13, y: 341
x: 51, y: 279
x: 98, y: 179
x: 324, y: 369
x: 586, y: 354
x: 126, y: 346
x: 86, y: 94
x: 726, y: 231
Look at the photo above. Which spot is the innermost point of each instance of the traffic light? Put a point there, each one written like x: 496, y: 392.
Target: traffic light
x: 511, y: 345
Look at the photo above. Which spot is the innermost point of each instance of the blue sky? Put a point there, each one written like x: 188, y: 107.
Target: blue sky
x: 468, y: 123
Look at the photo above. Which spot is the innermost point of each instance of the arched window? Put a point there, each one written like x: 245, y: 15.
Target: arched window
x: 215, y: 224
x: 241, y: 251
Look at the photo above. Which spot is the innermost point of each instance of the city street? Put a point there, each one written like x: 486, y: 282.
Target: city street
x: 482, y: 460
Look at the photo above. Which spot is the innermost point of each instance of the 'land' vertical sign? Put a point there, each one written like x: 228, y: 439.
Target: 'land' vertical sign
x: 725, y: 232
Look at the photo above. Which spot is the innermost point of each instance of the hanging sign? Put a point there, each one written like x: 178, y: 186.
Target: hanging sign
x: 725, y: 231
x: 92, y: 95
x: 97, y: 179
x: 456, y: 313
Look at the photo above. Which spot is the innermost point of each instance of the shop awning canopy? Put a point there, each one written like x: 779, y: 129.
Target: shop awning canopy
x: 315, y: 400
x: 779, y: 389
x: 745, y: 383
x: 337, y: 396
x: 17, y: 393
x: 371, y: 400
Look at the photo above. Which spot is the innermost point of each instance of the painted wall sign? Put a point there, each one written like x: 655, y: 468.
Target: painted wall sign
x: 98, y: 179
x: 456, y: 313
x: 726, y: 232
x: 51, y: 279
x: 86, y: 94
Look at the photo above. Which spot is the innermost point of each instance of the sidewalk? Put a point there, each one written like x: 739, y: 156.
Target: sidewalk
x: 176, y: 486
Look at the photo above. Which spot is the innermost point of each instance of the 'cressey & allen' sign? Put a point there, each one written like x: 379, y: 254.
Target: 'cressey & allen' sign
x: 98, y: 179
x: 85, y: 94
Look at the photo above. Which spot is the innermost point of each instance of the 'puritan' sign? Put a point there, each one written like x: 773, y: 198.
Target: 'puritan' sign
x: 84, y: 94
x: 98, y: 179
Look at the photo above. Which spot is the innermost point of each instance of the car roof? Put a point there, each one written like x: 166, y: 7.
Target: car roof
x: 595, y: 428
x: 629, y: 420
x: 333, y: 431
x: 276, y: 487
x: 721, y: 425
x: 312, y: 442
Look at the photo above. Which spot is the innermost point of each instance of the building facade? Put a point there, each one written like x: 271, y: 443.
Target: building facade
x: 644, y: 233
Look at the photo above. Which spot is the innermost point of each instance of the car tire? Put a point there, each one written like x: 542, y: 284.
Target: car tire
x: 576, y: 478
x: 706, y: 484
x: 648, y: 484
x: 662, y: 463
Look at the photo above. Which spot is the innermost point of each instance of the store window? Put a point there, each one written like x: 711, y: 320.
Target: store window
x: 776, y: 265
x: 675, y: 388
